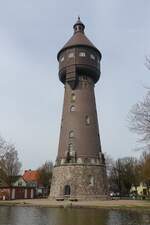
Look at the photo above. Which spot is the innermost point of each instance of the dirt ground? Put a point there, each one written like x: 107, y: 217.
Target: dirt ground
x: 78, y: 204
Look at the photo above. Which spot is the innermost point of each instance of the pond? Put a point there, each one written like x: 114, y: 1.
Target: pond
x: 71, y: 216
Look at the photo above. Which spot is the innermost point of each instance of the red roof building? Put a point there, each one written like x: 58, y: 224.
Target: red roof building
x: 31, y: 177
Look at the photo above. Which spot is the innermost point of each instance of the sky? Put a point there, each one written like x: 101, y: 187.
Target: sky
x: 31, y: 95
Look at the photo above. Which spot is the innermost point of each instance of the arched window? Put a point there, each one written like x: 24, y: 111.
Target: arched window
x: 67, y: 190
x: 71, y: 134
x: 87, y: 120
x: 73, y: 97
x: 91, y: 180
x: 72, y: 108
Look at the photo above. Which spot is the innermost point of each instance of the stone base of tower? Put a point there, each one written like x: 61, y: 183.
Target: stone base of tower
x: 79, y: 182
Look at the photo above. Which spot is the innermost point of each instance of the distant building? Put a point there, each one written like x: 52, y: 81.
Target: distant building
x: 18, y: 181
x: 18, y: 190
x: 32, y: 179
x: 27, y: 186
x: 141, y: 189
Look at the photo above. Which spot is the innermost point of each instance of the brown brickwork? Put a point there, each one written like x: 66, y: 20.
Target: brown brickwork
x: 79, y: 171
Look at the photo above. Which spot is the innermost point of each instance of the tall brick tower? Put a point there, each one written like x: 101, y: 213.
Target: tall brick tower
x: 79, y: 172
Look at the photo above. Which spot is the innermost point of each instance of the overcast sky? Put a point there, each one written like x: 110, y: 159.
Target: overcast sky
x: 31, y: 95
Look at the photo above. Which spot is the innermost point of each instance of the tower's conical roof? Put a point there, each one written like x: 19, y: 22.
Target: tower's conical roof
x: 78, y: 38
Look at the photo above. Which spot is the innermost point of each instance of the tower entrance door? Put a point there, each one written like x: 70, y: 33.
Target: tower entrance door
x: 67, y: 190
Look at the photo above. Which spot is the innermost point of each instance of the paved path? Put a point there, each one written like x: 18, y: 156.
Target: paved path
x: 84, y: 204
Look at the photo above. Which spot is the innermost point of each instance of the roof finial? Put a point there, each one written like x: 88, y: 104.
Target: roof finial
x: 78, y: 26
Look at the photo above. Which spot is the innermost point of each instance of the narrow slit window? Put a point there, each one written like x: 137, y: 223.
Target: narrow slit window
x: 91, y: 178
x: 92, y: 56
x: 87, y: 120
x: 72, y: 108
x: 73, y: 97
x: 71, y: 134
x: 62, y: 59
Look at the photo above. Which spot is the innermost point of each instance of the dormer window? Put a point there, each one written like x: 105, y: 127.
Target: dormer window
x: 92, y: 56
x: 62, y: 59
x: 82, y: 54
x: 71, y: 55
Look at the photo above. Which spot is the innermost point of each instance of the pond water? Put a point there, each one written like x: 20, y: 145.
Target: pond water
x: 59, y: 216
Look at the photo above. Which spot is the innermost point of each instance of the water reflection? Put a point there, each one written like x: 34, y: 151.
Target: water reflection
x: 58, y: 216
x: 128, y: 217
x: 80, y: 217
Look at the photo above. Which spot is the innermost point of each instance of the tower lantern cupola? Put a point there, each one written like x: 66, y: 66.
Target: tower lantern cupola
x: 78, y: 57
x: 78, y: 26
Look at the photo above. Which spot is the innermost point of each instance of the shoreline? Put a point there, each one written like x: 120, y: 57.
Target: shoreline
x: 106, y: 204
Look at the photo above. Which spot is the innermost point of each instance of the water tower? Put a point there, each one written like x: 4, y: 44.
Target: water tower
x: 79, y: 171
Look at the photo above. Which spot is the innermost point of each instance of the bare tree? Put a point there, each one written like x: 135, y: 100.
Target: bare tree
x: 2, y: 151
x: 139, y: 117
x: 110, y: 162
x: 145, y: 169
x: 147, y: 63
x: 139, y: 120
x: 124, y: 174
x: 2, y: 146
x: 9, y: 163
x: 45, y: 173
